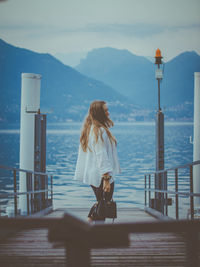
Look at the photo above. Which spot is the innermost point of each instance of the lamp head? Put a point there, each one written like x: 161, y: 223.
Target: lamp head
x: 158, y: 57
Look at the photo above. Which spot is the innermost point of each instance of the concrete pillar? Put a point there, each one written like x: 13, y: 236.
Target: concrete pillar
x: 30, y: 104
x: 196, y: 144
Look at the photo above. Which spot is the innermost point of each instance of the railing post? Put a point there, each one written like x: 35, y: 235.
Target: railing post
x: 176, y: 190
x: 15, y: 191
x: 29, y: 188
x: 28, y: 208
x: 192, y: 248
x: 191, y: 192
x: 32, y: 195
x: 166, y: 196
x: 77, y: 255
x: 46, y: 183
x: 51, y: 189
x: 161, y: 199
x: 149, y: 191
x: 155, y: 194
x: 145, y: 192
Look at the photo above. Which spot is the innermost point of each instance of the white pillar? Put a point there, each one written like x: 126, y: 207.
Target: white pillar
x: 196, y: 144
x: 30, y: 104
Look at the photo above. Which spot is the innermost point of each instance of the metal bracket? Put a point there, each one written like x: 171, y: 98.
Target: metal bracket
x: 32, y: 111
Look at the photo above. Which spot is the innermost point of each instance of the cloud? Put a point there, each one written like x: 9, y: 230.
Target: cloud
x: 139, y: 38
x: 77, y: 25
x: 139, y: 30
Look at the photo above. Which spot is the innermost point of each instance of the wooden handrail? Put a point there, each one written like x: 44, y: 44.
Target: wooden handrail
x: 172, y: 226
x: 72, y: 232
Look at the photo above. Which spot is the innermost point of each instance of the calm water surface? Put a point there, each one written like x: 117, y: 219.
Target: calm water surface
x: 136, y: 151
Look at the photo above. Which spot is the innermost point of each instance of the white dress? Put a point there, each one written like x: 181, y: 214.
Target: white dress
x: 99, y: 159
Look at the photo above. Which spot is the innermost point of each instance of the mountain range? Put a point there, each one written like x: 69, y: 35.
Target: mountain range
x: 64, y: 91
x: 134, y: 76
x: 126, y: 81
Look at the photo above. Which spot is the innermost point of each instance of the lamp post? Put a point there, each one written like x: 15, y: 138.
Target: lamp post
x: 159, y: 179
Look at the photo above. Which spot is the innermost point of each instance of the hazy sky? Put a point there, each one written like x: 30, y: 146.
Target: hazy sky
x: 65, y: 26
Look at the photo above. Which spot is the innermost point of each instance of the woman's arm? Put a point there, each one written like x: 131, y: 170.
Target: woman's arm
x: 103, y: 158
x: 106, y: 182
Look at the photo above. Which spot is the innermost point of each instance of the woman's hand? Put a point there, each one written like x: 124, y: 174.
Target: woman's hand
x: 106, y: 185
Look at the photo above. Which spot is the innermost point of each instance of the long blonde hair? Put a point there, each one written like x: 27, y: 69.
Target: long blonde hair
x: 96, y: 117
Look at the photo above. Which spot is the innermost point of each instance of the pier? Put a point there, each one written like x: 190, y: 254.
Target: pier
x: 135, y: 239
x: 138, y: 237
x: 35, y: 234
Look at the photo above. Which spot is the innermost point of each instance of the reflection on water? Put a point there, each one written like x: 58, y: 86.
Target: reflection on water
x: 136, y: 151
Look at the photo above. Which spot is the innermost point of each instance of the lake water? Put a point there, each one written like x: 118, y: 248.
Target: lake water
x: 136, y: 151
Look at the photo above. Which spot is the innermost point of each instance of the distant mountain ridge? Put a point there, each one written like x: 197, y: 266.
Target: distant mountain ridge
x: 134, y: 76
x: 178, y: 82
x: 116, y: 67
x: 63, y: 89
x: 66, y: 93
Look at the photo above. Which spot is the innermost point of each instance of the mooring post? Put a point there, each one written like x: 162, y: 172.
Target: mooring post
x: 159, y: 179
x: 196, y: 143
x: 30, y: 104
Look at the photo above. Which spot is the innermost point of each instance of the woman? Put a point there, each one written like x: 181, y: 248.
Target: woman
x: 97, y: 161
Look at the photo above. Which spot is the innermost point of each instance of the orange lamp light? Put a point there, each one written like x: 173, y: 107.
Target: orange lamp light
x: 158, y: 57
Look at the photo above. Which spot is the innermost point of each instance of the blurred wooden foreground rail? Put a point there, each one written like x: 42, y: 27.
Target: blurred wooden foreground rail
x: 79, y: 237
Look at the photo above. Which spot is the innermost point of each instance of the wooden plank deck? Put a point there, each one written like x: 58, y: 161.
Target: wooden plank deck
x: 31, y: 247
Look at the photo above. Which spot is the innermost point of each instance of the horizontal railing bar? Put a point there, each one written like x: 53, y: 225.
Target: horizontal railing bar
x: 172, y: 169
x: 135, y: 227
x: 22, y: 170
x: 22, y: 223
x: 24, y: 193
x: 29, y: 195
x: 154, y: 226
x: 173, y: 192
x: 28, y: 223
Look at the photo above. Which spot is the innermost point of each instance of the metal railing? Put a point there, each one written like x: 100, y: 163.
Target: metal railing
x: 77, y: 235
x: 162, y: 194
x: 33, y: 205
